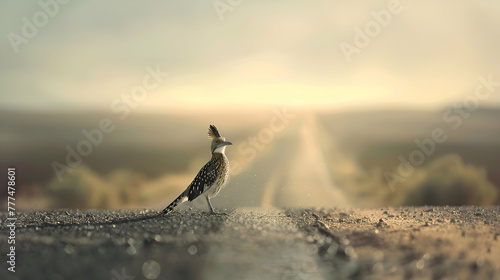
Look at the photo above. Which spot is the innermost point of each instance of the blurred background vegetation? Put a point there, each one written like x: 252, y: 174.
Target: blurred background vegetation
x: 353, y: 117
x: 317, y: 159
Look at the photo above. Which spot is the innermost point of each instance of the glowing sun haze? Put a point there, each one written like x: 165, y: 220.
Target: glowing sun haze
x: 262, y: 53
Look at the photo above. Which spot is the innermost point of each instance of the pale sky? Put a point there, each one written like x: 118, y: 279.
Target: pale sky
x: 90, y: 53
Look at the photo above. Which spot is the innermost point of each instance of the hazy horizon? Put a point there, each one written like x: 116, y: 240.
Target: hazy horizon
x: 217, y: 111
x: 260, y: 53
x: 317, y: 97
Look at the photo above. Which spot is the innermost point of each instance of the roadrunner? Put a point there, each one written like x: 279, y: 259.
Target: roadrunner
x: 211, y: 177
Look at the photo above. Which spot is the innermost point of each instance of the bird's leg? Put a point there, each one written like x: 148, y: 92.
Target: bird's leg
x: 210, y: 205
x: 212, y: 209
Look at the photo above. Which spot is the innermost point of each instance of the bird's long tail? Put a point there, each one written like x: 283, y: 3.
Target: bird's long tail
x: 180, y: 199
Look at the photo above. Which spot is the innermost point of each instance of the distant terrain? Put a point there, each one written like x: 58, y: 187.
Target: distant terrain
x: 257, y: 243
x: 315, y: 159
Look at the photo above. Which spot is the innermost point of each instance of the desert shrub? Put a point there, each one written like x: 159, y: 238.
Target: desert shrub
x: 448, y: 181
x: 83, y: 188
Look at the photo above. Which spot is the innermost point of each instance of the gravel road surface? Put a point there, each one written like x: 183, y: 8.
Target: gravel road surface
x: 255, y: 243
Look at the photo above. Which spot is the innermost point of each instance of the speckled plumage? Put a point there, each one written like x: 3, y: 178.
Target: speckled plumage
x: 211, y: 177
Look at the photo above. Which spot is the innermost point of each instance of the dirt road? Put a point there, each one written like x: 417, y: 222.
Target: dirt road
x: 387, y: 243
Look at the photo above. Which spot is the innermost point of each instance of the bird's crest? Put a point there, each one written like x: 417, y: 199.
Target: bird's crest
x: 213, y: 132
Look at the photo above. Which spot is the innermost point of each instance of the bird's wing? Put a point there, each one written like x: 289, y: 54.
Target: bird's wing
x: 204, y: 179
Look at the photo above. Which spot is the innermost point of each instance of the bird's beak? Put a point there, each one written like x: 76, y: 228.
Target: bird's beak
x: 224, y: 144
